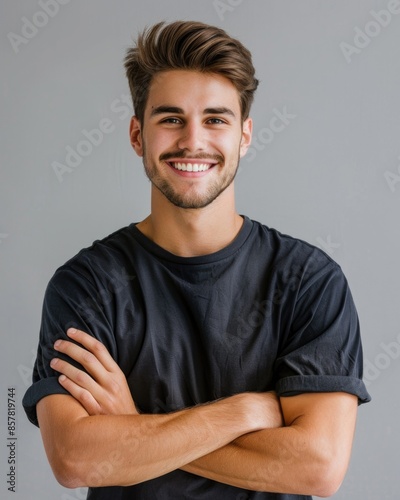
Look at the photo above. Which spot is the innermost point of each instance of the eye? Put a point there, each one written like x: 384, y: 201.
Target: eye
x: 215, y: 121
x: 172, y: 120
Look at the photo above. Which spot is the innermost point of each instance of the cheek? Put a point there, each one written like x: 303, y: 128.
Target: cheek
x: 160, y: 142
x: 226, y: 143
x: 232, y: 145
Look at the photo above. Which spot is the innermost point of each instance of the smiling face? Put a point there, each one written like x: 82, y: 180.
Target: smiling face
x: 192, y: 136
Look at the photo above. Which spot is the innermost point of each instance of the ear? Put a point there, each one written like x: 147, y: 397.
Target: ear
x: 245, y: 142
x: 135, y: 134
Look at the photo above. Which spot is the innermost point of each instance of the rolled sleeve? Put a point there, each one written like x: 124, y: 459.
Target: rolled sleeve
x: 323, y: 351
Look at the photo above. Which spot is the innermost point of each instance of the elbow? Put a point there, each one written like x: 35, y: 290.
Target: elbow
x: 65, y: 471
x: 71, y: 471
x: 65, y: 463
x: 325, y: 486
x: 72, y: 468
x: 327, y: 476
x: 68, y: 481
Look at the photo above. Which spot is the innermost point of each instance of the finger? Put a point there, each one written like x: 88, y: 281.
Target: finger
x: 84, y: 397
x: 79, y: 377
x: 85, y: 358
x: 94, y: 346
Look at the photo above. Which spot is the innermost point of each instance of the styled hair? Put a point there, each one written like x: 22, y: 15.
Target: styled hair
x: 188, y: 45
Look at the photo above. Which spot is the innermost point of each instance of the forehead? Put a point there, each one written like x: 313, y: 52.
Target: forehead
x: 191, y: 90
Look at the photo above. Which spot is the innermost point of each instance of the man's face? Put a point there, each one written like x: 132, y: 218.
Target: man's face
x: 192, y: 136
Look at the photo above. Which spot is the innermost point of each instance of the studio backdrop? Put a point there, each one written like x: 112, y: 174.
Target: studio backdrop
x: 324, y: 166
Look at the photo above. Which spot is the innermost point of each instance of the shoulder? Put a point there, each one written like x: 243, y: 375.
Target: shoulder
x: 292, y: 255
x: 104, y: 259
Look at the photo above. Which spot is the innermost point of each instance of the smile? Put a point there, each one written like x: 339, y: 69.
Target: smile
x: 191, y: 167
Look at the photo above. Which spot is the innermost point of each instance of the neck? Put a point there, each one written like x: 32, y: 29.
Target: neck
x: 192, y: 232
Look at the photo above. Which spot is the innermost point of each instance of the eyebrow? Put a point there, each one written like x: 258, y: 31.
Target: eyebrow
x: 159, y: 110
x: 219, y: 111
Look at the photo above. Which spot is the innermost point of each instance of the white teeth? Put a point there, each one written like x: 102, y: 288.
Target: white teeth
x: 191, y: 167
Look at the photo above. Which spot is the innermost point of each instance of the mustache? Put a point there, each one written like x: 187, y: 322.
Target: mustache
x: 199, y: 156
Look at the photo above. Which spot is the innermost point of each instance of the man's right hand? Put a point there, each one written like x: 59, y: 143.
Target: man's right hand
x: 265, y: 407
x: 103, y: 390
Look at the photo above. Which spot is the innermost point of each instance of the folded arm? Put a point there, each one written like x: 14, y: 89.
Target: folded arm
x: 95, y: 437
x: 309, y: 455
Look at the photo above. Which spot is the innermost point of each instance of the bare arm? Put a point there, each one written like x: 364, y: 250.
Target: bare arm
x: 309, y: 456
x: 100, y: 449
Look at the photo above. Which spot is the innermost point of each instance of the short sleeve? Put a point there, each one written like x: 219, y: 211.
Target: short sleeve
x: 323, y: 351
x: 71, y: 300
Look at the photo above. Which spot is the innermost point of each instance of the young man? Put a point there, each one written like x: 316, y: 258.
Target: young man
x: 202, y: 354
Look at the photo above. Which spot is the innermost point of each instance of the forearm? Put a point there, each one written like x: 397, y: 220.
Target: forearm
x: 107, y: 450
x: 308, y: 456
x: 273, y: 460
x: 96, y: 437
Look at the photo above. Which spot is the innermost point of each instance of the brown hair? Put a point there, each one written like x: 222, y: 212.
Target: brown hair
x: 188, y: 45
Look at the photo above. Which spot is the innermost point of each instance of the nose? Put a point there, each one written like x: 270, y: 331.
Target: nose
x: 193, y: 137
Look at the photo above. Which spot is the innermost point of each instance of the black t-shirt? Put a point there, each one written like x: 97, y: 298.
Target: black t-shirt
x: 268, y: 312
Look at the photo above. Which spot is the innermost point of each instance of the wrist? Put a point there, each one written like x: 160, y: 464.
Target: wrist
x: 262, y: 410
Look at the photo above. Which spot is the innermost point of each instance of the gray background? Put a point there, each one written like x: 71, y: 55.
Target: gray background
x: 330, y: 176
